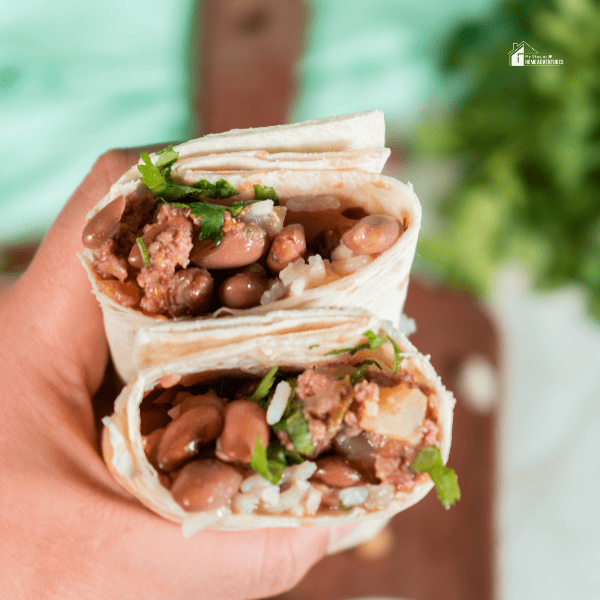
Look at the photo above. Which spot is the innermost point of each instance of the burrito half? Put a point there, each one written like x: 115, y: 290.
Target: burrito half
x: 318, y: 417
x: 178, y: 237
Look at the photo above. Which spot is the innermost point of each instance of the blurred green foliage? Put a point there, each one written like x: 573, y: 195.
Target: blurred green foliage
x: 528, y: 139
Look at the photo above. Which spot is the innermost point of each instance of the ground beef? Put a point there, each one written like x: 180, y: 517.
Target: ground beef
x: 107, y: 264
x: 322, y: 391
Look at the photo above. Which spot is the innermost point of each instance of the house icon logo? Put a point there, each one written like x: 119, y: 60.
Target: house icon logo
x: 524, y: 55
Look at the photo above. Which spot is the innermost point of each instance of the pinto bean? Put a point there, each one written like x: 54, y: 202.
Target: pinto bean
x: 150, y: 443
x: 334, y: 471
x: 288, y: 245
x: 209, y: 398
x: 190, y: 292
x: 242, y: 290
x: 244, y: 420
x: 239, y: 247
x: 328, y: 239
x: 104, y: 224
x: 205, y: 485
x: 372, y: 234
x: 183, y: 436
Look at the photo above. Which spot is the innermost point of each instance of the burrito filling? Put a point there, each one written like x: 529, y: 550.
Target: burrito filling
x: 184, y: 251
x: 319, y: 441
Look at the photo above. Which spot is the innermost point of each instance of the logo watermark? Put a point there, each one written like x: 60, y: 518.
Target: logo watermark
x: 524, y: 55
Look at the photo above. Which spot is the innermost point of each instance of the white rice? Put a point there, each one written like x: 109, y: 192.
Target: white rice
x: 278, y: 402
x: 301, y: 498
x: 303, y: 471
x: 276, y: 291
x: 351, y: 265
x: 342, y: 252
x: 379, y: 496
x: 354, y: 495
x: 265, y: 215
x: 300, y: 275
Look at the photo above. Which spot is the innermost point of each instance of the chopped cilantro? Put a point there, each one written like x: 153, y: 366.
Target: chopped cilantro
x: 269, y: 462
x: 296, y: 426
x: 220, y: 189
x: 313, y: 346
x: 294, y: 423
x: 211, y: 220
x: 159, y: 181
x: 144, y: 251
x: 344, y: 507
x: 373, y: 341
x: 265, y: 193
x: 264, y: 387
x: 158, y: 178
x: 224, y: 189
x: 167, y: 157
x: 361, y: 368
x: 429, y: 460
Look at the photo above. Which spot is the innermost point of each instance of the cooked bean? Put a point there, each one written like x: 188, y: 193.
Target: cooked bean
x: 328, y: 239
x: 288, y: 245
x: 150, y: 443
x: 151, y: 233
x: 183, y: 436
x: 239, y: 247
x: 372, y: 235
x: 205, y: 485
x: 336, y: 472
x: 104, y: 224
x: 244, y: 420
x: 242, y: 290
x: 168, y: 381
x: 190, y: 292
x: 209, y: 398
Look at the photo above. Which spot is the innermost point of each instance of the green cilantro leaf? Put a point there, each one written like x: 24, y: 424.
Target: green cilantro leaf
x: 265, y: 193
x: 220, y: 189
x: 296, y: 426
x: 361, y: 368
x: 151, y: 175
x: 429, y: 460
x: 264, y: 387
x: 373, y: 341
x: 211, y: 220
x: 269, y: 462
x: 167, y: 157
x: 225, y: 189
x: 144, y: 251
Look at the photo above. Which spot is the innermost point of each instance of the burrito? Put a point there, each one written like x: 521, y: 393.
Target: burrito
x: 293, y: 418
x: 217, y: 227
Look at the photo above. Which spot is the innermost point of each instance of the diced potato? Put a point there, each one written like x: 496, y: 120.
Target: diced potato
x: 400, y: 415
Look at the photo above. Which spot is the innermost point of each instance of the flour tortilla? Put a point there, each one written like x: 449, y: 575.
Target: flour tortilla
x: 254, y: 344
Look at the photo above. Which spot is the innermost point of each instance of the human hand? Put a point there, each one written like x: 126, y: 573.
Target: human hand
x: 67, y: 528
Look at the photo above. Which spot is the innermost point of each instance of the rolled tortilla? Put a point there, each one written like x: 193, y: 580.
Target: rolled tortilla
x: 315, y: 169
x: 295, y: 340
